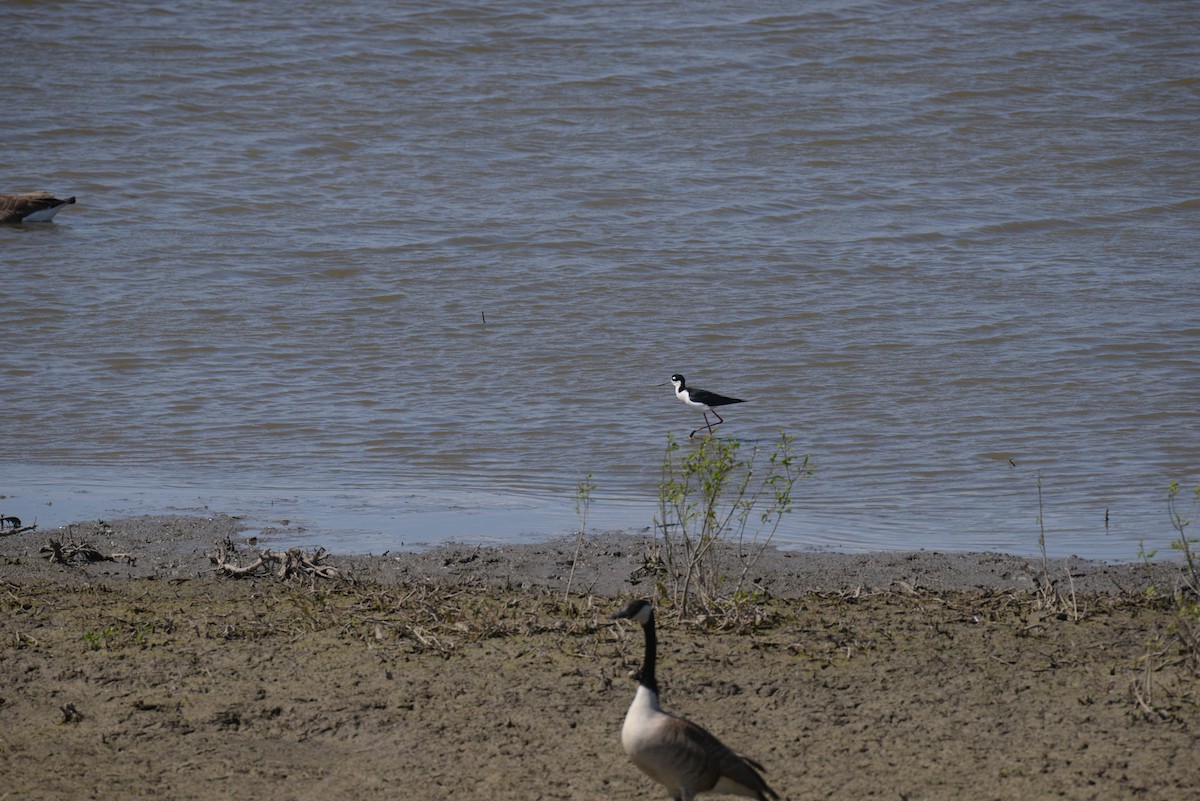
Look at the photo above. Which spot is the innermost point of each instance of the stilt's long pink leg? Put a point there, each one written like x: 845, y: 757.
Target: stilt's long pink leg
x: 709, y: 426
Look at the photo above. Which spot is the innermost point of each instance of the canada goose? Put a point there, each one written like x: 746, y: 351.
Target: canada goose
x: 31, y: 207
x: 676, y: 753
x: 701, y: 400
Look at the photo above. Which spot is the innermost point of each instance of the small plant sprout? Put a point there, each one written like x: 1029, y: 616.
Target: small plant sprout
x: 583, y: 503
x: 1183, y: 543
x: 1050, y: 597
x: 1184, y: 646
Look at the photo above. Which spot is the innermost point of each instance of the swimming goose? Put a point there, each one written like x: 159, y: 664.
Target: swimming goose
x: 701, y: 400
x: 31, y: 207
x: 676, y: 753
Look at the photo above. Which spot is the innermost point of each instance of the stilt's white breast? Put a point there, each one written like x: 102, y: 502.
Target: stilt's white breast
x: 684, y: 396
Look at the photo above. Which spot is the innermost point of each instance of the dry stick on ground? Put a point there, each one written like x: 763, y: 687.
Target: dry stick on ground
x: 290, y: 563
x: 1142, y: 689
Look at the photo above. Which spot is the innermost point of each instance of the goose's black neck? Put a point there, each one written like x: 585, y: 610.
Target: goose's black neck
x: 646, y: 675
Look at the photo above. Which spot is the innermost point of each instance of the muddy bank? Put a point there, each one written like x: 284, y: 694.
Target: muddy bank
x: 609, y: 563
x: 466, y: 673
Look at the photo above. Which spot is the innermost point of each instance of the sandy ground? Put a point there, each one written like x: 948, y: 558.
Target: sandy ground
x: 468, y: 673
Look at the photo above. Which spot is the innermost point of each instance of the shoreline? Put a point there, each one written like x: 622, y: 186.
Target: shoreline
x: 178, y: 546
x: 421, y: 514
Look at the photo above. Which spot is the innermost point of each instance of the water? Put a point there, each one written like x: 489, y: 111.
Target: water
x: 401, y: 274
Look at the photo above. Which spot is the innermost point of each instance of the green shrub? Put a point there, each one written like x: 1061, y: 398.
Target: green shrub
x: 710, y: 496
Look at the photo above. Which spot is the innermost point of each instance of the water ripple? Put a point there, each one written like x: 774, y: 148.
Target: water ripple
x: 358, y: 247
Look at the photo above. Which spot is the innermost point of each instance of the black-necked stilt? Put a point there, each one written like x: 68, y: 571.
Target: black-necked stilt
x: 31, y: 207
x: 678, y: 754
x: 701, y: 400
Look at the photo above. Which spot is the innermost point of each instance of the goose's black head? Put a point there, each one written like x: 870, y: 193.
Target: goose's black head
x: 639, y: 610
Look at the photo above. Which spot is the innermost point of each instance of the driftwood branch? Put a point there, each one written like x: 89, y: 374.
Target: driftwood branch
x: 10, y: 525
x: 62, y: 554
x: 282, y: 564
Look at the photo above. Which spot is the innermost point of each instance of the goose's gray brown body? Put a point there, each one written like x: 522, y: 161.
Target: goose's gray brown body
x: 678, y: 754
x: 31, y: 207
